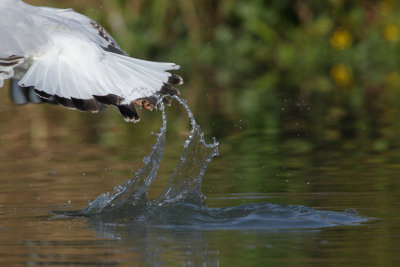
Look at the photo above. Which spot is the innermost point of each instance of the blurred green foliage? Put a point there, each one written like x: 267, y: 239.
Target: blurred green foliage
x: 317, y: 74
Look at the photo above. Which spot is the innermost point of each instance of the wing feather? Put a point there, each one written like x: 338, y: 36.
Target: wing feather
x: 79, y: 71
x: 68, y: 57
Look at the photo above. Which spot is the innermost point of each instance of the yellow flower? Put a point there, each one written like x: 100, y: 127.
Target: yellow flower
x: 342, y: 74
x: 341, y: 39
x: 391, y: 33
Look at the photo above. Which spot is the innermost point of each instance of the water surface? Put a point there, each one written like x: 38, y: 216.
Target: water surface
x: 264, y: 204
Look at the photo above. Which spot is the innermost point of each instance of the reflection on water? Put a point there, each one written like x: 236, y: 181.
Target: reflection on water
x: 226, y: 232
x: 281, y: 168
x: 181, y: 204
x: 154, y: 247
x: 178, y: 221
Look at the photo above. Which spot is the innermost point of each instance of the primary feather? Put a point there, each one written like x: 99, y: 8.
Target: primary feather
x: 71, y: 59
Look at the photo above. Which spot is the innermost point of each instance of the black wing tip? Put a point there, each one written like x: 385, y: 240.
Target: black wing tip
x: 110, y: 99
x: 72, y: 103
x: 86, y: 104
x: 66, y: 102
x: 175, y: 79
x: 41, y: 97
x: 128, y: 112
x: 43, y: 94
x: 167, y: 89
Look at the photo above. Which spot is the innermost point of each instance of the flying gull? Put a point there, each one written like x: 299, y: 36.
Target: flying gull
x: 68, y: 58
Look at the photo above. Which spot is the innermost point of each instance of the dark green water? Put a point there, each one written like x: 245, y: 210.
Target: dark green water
x: 55, y: 166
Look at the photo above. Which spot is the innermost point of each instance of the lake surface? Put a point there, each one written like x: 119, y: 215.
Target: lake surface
x: 308, y: 170
x: 329, y: 207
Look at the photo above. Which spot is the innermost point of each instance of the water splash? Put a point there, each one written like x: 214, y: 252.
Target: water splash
x: 185, y: 182
x: 181, y: 204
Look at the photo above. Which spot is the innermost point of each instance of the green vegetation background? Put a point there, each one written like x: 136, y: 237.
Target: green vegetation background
x: 312, y: 74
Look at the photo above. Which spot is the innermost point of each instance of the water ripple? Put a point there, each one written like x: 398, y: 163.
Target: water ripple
x: 181, y: 204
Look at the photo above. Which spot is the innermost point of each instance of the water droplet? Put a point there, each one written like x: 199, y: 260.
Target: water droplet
x: 146, y: 160
x: 143, y: 178
x: 186, y: 144
x: 351, y: 211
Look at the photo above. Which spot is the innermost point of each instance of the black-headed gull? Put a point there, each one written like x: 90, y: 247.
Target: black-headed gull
x: 70, y: 58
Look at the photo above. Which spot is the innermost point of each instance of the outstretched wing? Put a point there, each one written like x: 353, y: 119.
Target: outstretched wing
x: 94, y: 31
x: 80, y: 75
x: 71, y: 58
x: 7, y: 65
x: 19, y: 38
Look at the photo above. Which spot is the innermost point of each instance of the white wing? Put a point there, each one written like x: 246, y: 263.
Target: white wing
x: 17, y: 31
x: 94, y: 31
x: 76, y: 69
x: 18, y: 38
x: 77, y: 61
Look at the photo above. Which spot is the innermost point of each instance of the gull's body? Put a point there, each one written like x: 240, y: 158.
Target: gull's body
x: 71, y: 58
